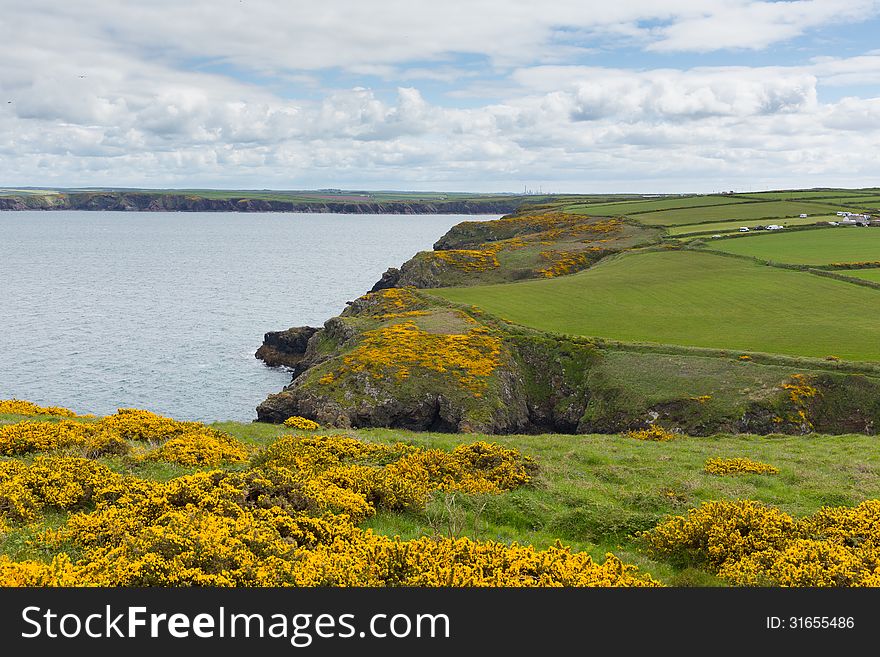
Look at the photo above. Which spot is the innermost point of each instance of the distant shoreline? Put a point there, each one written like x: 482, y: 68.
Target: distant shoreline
x: 186, y: 202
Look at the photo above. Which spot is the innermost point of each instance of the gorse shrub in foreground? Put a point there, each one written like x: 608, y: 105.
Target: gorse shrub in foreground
x: 719, y: 466
x: 135, y: 424
x: 186, y: 443
x: 208, y: 447
x: 21, y: 407
x: 748, y: 543
x: 28, y: 436
x: 288, y: 520
x: 297, y: 422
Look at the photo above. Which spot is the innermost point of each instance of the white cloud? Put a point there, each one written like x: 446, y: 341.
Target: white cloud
x: 748, y: 24
x: 168, y: 93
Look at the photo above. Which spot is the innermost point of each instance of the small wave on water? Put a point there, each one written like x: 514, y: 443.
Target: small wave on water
x: 164, y: 311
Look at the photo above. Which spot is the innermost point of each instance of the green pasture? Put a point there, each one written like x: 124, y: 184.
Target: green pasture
x: 808, y: 247
x: 733, y: 226
x: 696, y: 299
x: 872, y: 275
x: 813, y: 194
x: 649, y: 205
x: 749, y: 212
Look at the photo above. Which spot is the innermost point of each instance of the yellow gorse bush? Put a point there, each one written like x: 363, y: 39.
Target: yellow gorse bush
x: 288, y: 520
x: 29, y: 436
x: 186, y: 443
x: 394, y: 350
x: 297, y: 422
x: 209, y: 448
x: 469, y: 260
x: 751, y: 544
x: 22, y: 407
x: 655, y: 433
x: 136, y: 424
x: 563, y: 262
x: 719, y: 466
x: 391, y: 303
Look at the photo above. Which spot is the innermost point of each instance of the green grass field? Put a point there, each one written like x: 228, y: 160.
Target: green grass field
x: 697, y: 299
x: 866, y: 201
x: 593, y: 492
x: 749, y: 212
x: 872, y: 275
x: 810, y: 247
x: 813, y: 194
x: 733, y: 226
x: 649, y: 205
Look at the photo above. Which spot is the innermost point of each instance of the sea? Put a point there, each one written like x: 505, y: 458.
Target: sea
x: 164, y: 311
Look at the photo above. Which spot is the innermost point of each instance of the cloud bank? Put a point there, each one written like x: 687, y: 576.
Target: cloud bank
x: 483, y: 95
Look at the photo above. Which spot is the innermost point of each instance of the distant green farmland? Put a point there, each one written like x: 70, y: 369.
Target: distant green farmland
x: 732, y: 226
x: 857, y: 201
x: 809, y: 247
x: 813, y: 194
x: 696, y: 299
x: 649, y: 205
x: 872, y: 275
x: 734, y: 212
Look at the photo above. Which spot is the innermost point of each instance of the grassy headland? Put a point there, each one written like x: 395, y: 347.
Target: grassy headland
x: 577, y: 302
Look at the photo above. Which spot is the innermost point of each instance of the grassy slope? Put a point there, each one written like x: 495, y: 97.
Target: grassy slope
x: 649, y: 205
x: 866, y: 274
x: 733, y: 226
x: 735, y: 212
x: 794, y: 194
x: 859, y: 201
x: 814, y: 247
x: 594, y: 492
x: 695, y: 299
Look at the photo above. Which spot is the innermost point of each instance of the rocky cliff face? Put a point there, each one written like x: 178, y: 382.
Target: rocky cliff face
x: 285, y: 348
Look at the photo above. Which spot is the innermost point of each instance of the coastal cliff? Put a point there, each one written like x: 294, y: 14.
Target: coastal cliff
x: 401, y: 357
x: 171, y: 202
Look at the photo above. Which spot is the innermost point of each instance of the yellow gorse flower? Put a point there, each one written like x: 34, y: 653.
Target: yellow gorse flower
x: 21, y: 407
x: 751, y: 544
x: 297, y: 422
x: 655, y: 433
x: 719, y: 466
x: 394, y: 350
x: 289, y: 519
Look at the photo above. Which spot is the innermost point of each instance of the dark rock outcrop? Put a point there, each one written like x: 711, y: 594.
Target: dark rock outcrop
x: 389, y: 279
x: 285, y: 348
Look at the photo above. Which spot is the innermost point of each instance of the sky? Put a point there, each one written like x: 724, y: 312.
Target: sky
x: 461, y: 95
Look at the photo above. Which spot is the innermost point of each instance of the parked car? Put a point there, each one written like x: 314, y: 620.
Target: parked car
x: 744, y: 229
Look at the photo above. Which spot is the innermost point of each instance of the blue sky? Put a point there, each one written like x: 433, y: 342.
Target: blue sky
x: 477, y: 95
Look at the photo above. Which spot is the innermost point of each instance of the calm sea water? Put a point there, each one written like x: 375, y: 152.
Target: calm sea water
x: 164, y: 311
